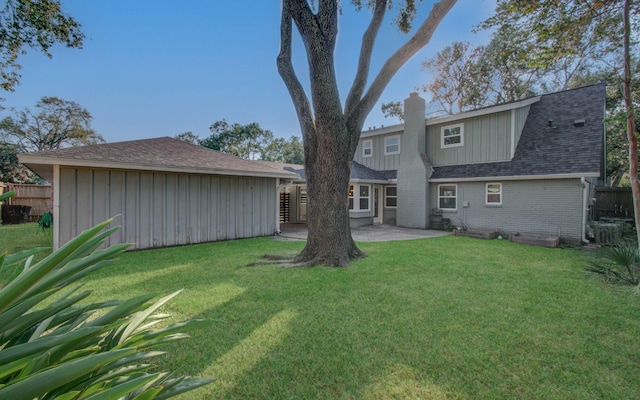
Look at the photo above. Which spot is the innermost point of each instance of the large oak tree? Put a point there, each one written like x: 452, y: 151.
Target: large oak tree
x: 331, y: 129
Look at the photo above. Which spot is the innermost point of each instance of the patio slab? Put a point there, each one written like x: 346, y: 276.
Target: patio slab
x: 371, y: 233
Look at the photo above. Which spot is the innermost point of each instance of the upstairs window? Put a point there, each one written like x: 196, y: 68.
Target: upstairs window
x: 367, y: 148
x: 448, y: 197
x: 452, y: 136
x: 494, y: 194
x: 392, y: 145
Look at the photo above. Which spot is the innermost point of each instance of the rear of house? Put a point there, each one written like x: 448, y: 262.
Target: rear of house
x: 523, y: 167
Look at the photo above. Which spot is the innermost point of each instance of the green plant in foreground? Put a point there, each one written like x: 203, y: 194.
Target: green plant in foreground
x: 621, y: 264
x: 60, y: 347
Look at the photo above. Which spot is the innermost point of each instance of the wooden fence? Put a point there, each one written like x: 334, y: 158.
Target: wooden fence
x: 613, y: 202
x: 38, y: 197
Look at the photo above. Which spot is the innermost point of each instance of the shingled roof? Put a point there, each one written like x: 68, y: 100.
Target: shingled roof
x: 562, y: 147
x: 159, y: 154
x: 358, y: 172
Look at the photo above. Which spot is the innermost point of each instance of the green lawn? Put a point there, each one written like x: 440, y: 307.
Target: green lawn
x: 444, y: 318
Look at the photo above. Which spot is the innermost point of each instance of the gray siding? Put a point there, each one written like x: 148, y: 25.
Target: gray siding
x: 166, y: 209
x: 486, y: 138
x: 520, y: 118
x: 551, y: 207
x: 378, y: 161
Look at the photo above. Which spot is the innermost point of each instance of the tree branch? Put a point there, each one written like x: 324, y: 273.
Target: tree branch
x: 364, y: 63
x: 398, y: 59
x: 287, y: 72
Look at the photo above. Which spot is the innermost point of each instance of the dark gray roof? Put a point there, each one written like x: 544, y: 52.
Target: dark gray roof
x: 360, y: 172
x: 557, y: 150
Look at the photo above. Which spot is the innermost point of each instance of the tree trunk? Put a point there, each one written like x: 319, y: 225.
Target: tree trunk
x: 329, y: 240
x: 631, y: 130
x: 330, y: 133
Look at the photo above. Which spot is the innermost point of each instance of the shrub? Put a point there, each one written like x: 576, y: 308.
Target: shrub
x: 621, y: 264
x: 55, y: 345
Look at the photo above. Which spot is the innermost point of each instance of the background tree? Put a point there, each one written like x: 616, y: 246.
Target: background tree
x: 188, y: 137
x: 245, y: 141
x: 331, y: 130
x: 38, y: 24
x: 281, y: 150
x: 55, y: 123
x: 11, y: 171
x: 557, y: 29
x: 457, y: 83
x: 393, y: 109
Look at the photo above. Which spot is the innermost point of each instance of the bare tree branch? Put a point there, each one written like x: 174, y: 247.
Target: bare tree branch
x: 287, y: 72
x: 364, y: 63
x: 393, y: 64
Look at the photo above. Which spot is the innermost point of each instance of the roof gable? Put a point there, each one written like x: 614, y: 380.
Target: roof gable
x: 548, y: 148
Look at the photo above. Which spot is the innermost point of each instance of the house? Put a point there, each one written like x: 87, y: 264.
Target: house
x: 163, y: 192
x: 528, y: 166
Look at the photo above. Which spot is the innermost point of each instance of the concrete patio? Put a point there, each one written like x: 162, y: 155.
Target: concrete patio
x: 371, y: 233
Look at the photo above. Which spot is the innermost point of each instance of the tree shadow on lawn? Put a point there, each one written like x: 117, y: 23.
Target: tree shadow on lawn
x: 424, y: 330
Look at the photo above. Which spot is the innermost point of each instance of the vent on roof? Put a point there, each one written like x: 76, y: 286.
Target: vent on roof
x: 578, y: 122
x: 550, y: 124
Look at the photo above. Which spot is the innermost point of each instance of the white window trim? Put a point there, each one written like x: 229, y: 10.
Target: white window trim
x: 388, y: 153
x: 356, y: 198
x: 367, y: 144
x: 486, y: 194
x: 393, y: 197
x: 446, y: 146
x: 448, y: 197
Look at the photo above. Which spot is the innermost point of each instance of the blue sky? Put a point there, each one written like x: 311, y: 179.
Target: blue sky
x: 159, y: 68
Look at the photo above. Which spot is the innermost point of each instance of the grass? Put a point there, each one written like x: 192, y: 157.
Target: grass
x: 444, y: 318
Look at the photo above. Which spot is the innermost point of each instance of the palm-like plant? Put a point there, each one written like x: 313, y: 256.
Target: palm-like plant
x: 55, y: 345
x: 621, y: 264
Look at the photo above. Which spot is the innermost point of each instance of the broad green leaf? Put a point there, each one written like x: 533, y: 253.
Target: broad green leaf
x: 140, y: 317
x: 124, y: 388
x: 14, y: 353
x: 45, y: 381
x: 187, y: 385
x: 14, y: 290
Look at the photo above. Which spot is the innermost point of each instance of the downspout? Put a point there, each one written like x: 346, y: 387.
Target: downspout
x: 56, y: 207
x: 585, y: 197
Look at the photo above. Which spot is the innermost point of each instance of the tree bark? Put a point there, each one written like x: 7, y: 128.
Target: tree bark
x: 631, y: 129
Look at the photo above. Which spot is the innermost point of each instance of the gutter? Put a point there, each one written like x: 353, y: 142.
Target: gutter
x: 585, y: 195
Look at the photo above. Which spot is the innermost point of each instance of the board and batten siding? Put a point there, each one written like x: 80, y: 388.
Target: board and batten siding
x: 378, y: 161
x: 487, y: 138
x: 520, y: 117
x: 548, y: 207
x: 158, y: 209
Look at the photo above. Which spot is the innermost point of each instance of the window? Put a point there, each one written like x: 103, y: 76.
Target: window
x: 351, y: 194
x: 359, y: 196
x: 447, y: 197
x: 364, y: 197
x: 494, y: 194
x: 391, y: 196
x: 392, y: 145
x: 452, y: 136
x: 367, y: 148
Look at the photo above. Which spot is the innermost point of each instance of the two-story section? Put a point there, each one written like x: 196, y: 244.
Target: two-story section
x: 528, y: 166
